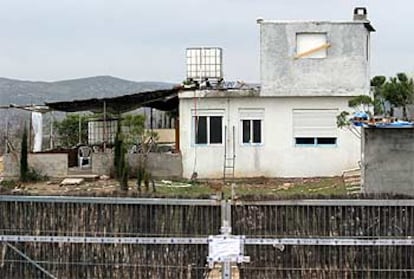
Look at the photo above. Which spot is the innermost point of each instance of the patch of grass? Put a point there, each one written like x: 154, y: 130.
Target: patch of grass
x: 35, y: 176
x: 317, y: 186
x: 193, y: 191
x: 309, y: 187
x: 244, y: 189
x: 9, y: 184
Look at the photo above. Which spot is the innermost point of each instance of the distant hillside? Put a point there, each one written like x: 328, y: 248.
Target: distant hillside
x: 27, y: 92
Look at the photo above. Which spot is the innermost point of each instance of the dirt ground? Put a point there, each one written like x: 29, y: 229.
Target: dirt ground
x: 257, y: 187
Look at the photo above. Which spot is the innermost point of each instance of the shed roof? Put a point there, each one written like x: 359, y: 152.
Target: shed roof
x: 166, y: 99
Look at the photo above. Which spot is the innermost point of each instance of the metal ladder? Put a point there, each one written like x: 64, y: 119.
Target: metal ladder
x: 229, y: 156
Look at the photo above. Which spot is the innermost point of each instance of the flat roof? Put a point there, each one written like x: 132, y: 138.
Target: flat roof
x: 366, y: 23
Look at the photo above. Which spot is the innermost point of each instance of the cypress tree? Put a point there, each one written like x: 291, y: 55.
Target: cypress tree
x: 117, y: 154
x: 120, y: 164
x: 24, y: 166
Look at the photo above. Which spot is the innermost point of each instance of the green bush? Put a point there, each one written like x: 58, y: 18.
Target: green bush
x: 35, y: 176
x: 9, y: 184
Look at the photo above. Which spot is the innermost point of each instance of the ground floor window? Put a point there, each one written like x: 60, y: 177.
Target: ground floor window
x: 315, y: 141
x: 252, y: 131
x: 315, y: 127
x: 208, y: 129
x: 251, y: 126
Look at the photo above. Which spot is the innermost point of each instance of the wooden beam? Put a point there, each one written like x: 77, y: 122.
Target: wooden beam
x: 313, y: 50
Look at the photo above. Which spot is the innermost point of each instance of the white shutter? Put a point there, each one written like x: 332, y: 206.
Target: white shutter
x: 251, y: 114
x: 207, y: 112
x: 309, y: 123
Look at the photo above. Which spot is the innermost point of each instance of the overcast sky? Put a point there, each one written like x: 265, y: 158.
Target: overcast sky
x: 146, y: 40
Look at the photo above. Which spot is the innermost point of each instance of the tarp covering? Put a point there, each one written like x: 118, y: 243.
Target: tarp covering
x: 37, y: 125
x: 166, y: 100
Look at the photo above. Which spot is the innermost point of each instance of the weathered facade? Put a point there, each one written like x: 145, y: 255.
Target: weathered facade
x: 309, y: 71
x: 341, y: 70
x: 388, y: 165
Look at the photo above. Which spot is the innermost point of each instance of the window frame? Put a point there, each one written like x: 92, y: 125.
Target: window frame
x: 251, y: 115
x: 315, y: 142
x: 298, y: 34
x: 316, y: 133
x: 208, y: 114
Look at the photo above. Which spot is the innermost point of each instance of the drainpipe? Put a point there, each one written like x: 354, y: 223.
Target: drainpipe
x: 6, y: 150
x: 177, y: 134
x: 228, y: 126
x: 51, y: 130
x: 151, y: 119
x: 104, y: 126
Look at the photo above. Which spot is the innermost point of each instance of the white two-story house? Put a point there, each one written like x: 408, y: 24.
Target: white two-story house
x: 287, y: 128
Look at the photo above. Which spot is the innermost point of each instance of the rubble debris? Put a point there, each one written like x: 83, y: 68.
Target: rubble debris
x: 72, y: 181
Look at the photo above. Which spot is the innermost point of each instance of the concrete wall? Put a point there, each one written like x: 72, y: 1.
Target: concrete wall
x: 11, y: 165
x: 102, y: 163
x: 50, y: 164
x: 277, y: 156
x: 161, y: 165
x: 388, y: 160
x: 344, y: 72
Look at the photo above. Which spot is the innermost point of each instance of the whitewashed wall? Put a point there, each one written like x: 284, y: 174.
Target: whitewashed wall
x: 277, y: 156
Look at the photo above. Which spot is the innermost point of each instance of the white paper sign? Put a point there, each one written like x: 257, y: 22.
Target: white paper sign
x: 225, y: 248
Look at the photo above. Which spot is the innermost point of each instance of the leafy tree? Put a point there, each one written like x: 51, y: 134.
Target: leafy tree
x: 358, y: 103
x: 133, y: 127
x: 68, y: 130
x: 399, y: 92
x: 24, y: 166
x: 361, y: 102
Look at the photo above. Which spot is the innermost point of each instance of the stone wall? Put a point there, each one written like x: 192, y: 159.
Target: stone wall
x: 388, y: 160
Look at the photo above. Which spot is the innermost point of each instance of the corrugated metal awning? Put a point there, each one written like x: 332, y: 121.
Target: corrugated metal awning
x: 166, y: 100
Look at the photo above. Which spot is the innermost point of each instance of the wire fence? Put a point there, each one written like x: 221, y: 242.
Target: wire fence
x: 106, y: 217
x: 115, y: 218
x: 106, y: 261
x: 364, y: 219
x: 159, y: 218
